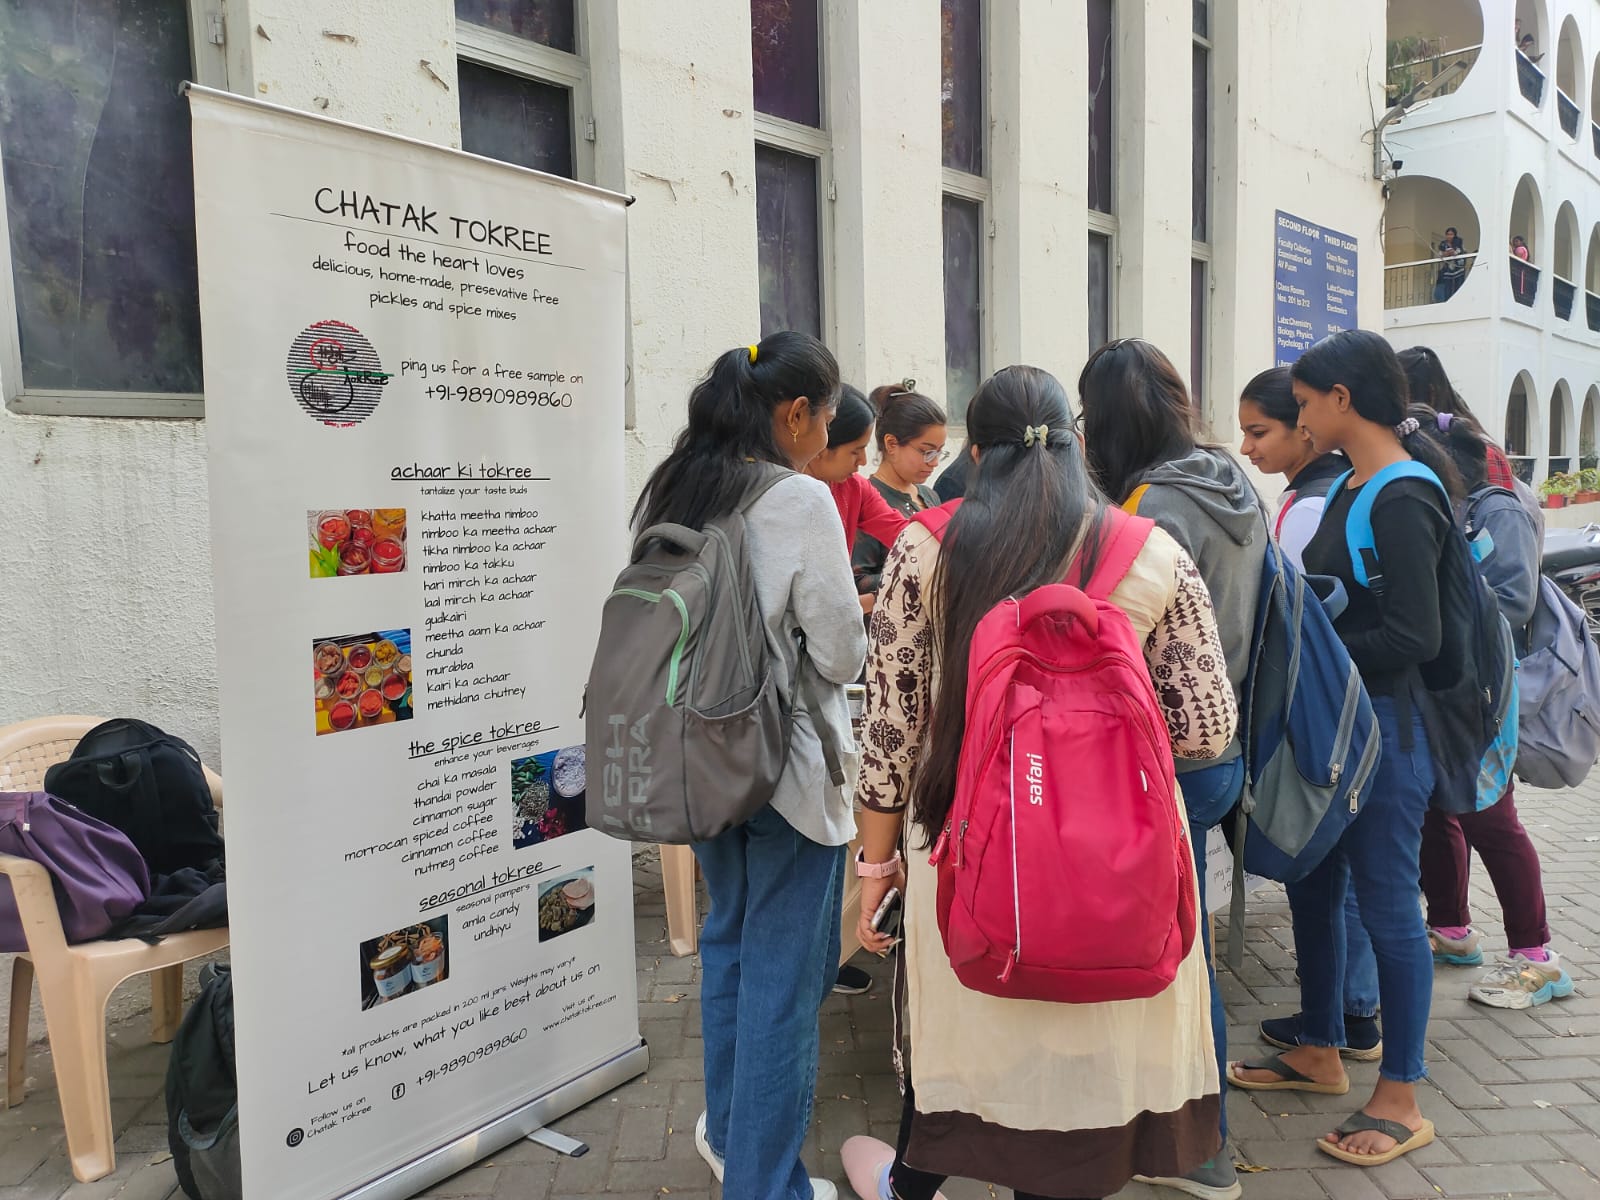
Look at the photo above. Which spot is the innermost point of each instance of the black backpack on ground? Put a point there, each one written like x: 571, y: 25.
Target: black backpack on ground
x: 202, y: 1094
x: 148, y: 784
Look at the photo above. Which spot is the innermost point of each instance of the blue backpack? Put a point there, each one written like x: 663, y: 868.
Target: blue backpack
x: 1471, y: 716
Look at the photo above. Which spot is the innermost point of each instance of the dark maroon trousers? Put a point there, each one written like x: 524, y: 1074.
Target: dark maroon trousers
x: 1509, y: 856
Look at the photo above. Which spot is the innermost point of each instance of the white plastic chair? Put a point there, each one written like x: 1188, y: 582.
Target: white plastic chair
x: 76, y: 981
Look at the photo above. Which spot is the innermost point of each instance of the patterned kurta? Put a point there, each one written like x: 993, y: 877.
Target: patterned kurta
x: 1056, y: 1099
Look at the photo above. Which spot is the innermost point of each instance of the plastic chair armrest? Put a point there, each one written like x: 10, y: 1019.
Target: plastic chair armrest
x: 36, y: 903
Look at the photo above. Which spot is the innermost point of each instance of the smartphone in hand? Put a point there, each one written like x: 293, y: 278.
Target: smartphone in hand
x: 887, y: 918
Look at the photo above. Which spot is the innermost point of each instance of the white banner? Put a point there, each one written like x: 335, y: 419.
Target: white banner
x: 414, y: 401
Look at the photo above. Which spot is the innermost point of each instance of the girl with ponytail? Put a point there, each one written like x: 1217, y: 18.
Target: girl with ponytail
x: 997, y: 1089
x: 769, y: 950
x: 1352, y: 395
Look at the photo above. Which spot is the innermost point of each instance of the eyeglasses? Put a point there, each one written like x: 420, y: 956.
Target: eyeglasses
x: 931, y: 456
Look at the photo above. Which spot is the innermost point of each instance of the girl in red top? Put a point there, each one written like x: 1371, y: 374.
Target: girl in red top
x: 861, y: 508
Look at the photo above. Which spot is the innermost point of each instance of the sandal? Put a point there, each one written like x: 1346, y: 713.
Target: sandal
x: 1405, y: 1139
x: 1289, y: 1079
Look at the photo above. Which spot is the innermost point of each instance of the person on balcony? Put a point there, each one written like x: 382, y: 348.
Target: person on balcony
x: 1524, y: 279
x: 1452, y: 266
x: 1527, y: 46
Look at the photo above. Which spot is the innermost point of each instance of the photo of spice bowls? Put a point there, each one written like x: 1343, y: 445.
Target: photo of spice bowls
x: 356, y: 541
x: 566, y: 904
x: 362, y: 679
x: 547, y: 796
x: 404, y: 961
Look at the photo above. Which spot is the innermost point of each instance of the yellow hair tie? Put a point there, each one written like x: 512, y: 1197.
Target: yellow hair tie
x: 752, y: 356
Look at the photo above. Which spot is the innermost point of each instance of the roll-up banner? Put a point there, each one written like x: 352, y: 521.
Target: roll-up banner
x: 414, y: 403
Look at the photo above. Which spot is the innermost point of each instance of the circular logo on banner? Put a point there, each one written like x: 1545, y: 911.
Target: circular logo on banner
x: 296, y: 1136
x: 335, y: 374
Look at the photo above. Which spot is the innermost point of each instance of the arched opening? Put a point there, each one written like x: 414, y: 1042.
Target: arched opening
x: 1519, y: 428
x: 1588, y: 428
x: 1569, y: 81
x: 1594, y: 107
x: 1591, y: 280
x: 1526, y: 218
x: 1560, y: 421
x: 1430, y: 242
x: 1430, y: 38
x: 1564, y: 287
x: 1531, y: 35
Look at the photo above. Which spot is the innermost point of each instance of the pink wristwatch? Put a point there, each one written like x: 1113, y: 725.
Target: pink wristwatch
x: 883, y: 870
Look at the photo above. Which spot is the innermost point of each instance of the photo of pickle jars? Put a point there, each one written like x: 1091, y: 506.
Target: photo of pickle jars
x: 405, y: 961
x: 361, y: 679
x: 356, y: 541
x: 547, y: 796
x: 566, y: 904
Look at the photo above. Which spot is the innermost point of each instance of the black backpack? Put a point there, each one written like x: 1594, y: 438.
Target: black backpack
x: 148, y: 784
x: 203, y: 1095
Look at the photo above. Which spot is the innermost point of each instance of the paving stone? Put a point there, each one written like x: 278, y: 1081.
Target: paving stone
x: 1503, y: 1179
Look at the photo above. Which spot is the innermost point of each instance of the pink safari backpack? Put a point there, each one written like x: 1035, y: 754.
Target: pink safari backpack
x: 1064, y: 871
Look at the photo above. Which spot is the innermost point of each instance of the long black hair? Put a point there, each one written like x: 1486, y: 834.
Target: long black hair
x: 1460, y: 438
x: 1136, y: 413
x: 851, y: 419
x: 1025, y: 509
x: 904, y: 412
x: 1370, y: 371
x: 729, y: 434
x: 1272, y: 391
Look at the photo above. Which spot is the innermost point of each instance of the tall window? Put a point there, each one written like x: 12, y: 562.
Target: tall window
x: 792, y: 162
x: 99, y: 312
x: 966, y: 199
x: 1102, y: 169
x: 1200, y: 205
x: 524, y: 88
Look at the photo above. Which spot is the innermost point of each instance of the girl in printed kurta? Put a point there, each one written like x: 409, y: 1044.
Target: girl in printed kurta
x: 1052, y: 1100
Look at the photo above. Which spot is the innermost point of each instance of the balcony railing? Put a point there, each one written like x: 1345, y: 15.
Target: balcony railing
x: 1530, y: 79
x: 1594, y: 136
x: 1407, y: 76
x: 1425, y: 281
x: 1524, y: 281
x: 1521, y: 467
x: 1591, y: 308
x: 1563, y: 293
x: 1567, y: 109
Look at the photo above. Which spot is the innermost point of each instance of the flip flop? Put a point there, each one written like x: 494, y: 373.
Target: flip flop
x: 1290, y: 1080
x: 1405, y: 1139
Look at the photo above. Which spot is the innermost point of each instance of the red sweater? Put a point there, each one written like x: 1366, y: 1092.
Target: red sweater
x: 861, y: 508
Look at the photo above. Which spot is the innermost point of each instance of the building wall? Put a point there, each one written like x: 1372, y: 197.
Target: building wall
x: 105, y: 534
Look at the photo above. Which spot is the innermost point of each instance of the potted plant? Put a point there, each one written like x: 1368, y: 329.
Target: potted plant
x: 1588, y: 486
x: 1557, y: 489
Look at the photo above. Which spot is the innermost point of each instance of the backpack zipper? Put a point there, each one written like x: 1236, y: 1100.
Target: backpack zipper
x: 1368, y: 764
x: 1347, y: 727
x: 676, y: 660
x: 1016, y: 871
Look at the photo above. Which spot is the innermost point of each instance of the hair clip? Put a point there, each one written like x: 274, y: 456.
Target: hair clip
x: 1035, y: 435
x: 1407, y: 427
x: 1444, y: 420
x: 752, y: 356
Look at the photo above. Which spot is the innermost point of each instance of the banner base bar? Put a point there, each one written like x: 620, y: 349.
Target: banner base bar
x: 559, y: 1142
x: 520, y: 1123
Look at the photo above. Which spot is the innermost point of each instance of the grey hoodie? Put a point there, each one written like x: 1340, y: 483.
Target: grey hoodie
x: 1205, y: 502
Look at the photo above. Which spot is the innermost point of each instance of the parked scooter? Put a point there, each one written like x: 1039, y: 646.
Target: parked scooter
x: 1572, y: 561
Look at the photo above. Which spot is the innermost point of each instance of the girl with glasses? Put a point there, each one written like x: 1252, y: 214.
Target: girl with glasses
x: 911, y: 435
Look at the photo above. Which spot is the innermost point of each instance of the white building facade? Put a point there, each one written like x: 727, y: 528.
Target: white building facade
x: 937, y: 188
x: 1508, y: 148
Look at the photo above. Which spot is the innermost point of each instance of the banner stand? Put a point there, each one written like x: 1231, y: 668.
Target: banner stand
x: 457, y: 1156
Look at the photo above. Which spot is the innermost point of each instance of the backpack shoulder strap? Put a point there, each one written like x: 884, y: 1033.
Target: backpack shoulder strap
x: 1122, y: 539
x: 937, y: 519
x: 1131, y: 504
x: 770, y: 476
x: 1476, y: 499
x: 1358, y: 525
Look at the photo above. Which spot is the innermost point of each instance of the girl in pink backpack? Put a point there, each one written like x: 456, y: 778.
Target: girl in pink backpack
x: 1001, y: 1088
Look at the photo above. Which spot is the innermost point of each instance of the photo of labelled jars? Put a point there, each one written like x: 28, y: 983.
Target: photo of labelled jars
x: 356, y: 541
x: 362, y: 679
x: 404, y: 961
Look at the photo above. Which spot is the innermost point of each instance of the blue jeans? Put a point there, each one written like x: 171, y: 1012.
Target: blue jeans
x: 1360, y: 965
x: 1209, y: 794
x: 1378, y: 856
x: 769, y: 953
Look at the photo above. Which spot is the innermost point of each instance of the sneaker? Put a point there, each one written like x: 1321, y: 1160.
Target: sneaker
x: 1214, y: 1180
x: 866, y: 1165
x: 1518, y: 982
x: 1363, y: 1039
x: 713, y: 1160
x: 1456, y: 952
x: 852, y: 981
x: 821, y: 1189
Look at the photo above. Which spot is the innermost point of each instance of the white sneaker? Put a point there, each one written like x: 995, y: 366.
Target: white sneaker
x: 706, y: 1152
x: 821, y: 1189
x: 1518, y: 982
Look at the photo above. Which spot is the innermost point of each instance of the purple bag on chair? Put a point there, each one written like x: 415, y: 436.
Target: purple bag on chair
x: 99, y: 877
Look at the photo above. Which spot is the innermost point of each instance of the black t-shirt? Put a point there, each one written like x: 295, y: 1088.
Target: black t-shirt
x: 1389, y: 636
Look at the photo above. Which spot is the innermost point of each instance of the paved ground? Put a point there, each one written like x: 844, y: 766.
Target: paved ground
x: 1515, y: 1096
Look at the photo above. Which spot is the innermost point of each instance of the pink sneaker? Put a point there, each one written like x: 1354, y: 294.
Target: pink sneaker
x: 866, y: 1165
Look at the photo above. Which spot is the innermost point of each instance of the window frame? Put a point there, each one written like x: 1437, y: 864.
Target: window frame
x: 208, y: 65
x: 979, y: 190
x: 791, y: 137
x: 527, y: 59
x: 1201, y: 251
x: 1106, y: 224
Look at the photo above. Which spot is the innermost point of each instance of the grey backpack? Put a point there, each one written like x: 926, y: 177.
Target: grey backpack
x: 686, y: 729
x: 1558, y: 681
